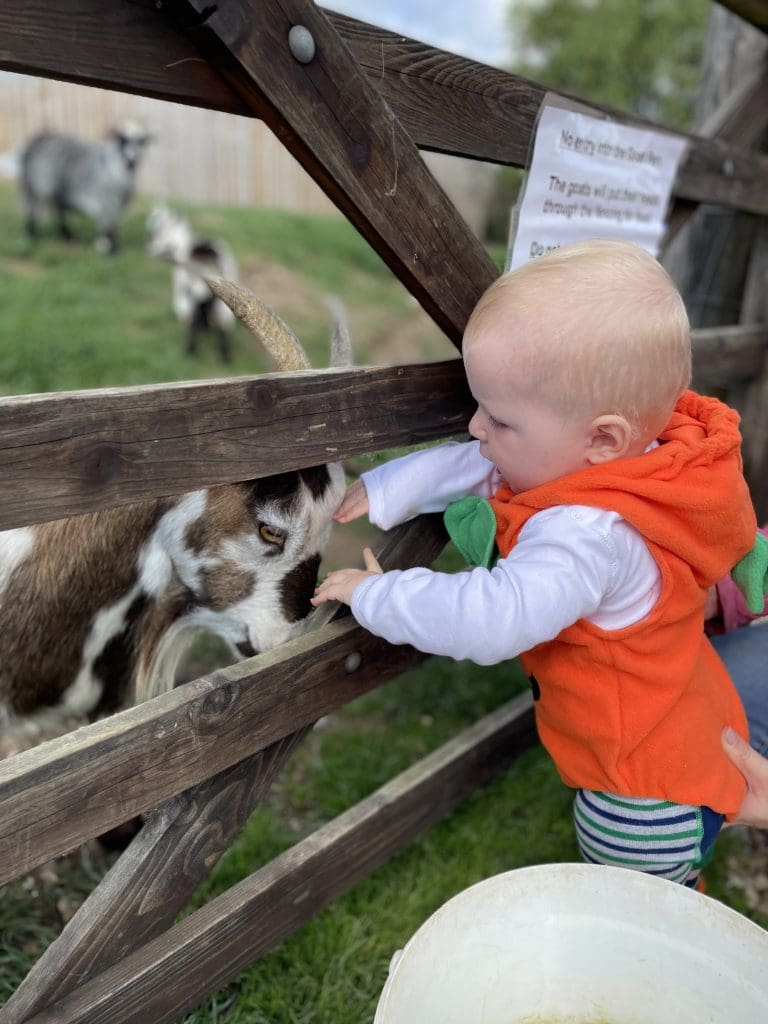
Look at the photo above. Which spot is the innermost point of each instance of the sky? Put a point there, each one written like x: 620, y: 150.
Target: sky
x: 473, y: 28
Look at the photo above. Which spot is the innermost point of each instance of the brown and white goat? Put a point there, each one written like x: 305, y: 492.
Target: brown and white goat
x: 96, y: 610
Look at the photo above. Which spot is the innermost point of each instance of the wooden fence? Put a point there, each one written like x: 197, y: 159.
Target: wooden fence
x: 197, y: 760
x: 203, y: 156
x: 199, y: 155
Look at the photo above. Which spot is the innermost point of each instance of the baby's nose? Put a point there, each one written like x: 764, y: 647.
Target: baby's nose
x: 475, y: 427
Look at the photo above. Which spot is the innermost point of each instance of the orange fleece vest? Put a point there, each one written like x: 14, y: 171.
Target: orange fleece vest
x: 639, y: 711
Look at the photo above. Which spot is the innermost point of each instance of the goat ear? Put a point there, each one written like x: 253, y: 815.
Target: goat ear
x: 286, y: 485
x: 280, y: 487
x: 317, y: 479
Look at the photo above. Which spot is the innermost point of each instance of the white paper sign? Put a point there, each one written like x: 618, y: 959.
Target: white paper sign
x: 592, y: 178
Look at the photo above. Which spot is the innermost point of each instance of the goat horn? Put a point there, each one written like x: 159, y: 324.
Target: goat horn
x: 264, y: 324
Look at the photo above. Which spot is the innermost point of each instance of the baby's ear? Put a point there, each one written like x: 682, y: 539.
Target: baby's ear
x: 610, y: 438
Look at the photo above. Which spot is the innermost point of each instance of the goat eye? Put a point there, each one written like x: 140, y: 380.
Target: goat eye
x: 272, y: 534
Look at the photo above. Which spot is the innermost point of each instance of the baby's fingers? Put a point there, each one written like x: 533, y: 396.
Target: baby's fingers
x: 354, y: 504
x: 334, y: 587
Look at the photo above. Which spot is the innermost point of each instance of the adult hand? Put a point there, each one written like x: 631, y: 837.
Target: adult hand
x: 340, y: 584
x: 354, y: 504
x: 754, y: 768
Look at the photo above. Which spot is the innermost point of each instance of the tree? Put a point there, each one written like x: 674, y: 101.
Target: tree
x: 641, y: 56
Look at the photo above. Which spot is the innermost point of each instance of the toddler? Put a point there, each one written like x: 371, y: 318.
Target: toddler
x: 615, y: 499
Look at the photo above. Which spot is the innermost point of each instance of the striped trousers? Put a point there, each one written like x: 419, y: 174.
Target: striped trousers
x: 670, y: 840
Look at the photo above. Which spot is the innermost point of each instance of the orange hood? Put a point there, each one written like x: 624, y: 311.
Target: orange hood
x: 687, y: 496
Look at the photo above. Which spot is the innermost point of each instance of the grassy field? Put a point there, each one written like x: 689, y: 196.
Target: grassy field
x: 71, y: 319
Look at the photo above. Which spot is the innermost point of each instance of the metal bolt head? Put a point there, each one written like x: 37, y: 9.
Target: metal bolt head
x: 353, y: 661
x: 301, y: 43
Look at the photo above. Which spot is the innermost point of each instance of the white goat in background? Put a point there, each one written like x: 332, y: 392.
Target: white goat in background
x: 63, y: 173
x: 193, y: 302
x: 96, y: 610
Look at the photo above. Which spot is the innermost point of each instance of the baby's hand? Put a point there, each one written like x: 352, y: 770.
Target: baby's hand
x: 340, y: 584
x: 354, y: 504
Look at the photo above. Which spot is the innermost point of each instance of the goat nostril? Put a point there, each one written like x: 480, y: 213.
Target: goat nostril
x: 246, y: 649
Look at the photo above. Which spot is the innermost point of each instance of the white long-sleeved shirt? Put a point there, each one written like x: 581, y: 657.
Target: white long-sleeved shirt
x: 570, y: 562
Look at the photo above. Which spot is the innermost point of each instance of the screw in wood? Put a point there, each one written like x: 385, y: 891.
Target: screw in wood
x: 353, y: 661
x: 301, y: 44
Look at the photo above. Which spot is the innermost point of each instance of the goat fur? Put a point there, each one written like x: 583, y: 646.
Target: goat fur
x: 194, y: 258
x: 62, y: 174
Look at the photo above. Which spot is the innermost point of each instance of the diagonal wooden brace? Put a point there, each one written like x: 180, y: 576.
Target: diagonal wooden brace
x: 332, y: 119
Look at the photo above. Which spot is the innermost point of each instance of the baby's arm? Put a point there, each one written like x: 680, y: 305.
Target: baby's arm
x: 484, y: 615
x: 423, y: 481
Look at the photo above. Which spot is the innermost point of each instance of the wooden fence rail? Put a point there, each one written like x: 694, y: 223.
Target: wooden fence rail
x: 77, y: 452
x: 132, y: 761
x: 176, y: 970
x: 54, y: 797
x: 354, y: 118
x: 446, y: 102
x: 65, y: 454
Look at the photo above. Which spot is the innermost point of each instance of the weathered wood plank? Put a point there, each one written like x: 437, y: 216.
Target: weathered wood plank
x: 76, y: 452
x: 740, y: 119
x: 73, y: 453
x: 755, y: 406
x: 753, y: 11
x: 211, y: 946
x: 725, y: 356
x: 152, y: 881
x: 336, y: 124
x: 446, y: 103
x: 123, y: 45
x: 93, y: 449
x: 55, y: 796
x: 454, y: 105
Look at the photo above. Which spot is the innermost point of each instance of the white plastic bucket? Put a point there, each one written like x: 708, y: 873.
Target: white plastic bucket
x: 580, y: 944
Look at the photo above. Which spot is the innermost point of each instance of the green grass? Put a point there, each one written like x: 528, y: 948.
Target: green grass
x: 69, y: 319
x: 72, y: 319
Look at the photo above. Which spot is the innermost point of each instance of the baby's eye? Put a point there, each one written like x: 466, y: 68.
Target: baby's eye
x: 496, y: 424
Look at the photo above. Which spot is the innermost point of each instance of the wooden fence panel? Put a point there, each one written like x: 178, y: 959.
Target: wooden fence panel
x: 131, y: 46
x: 333, y: 114
x: 152, y: 881
x: 55, y: 796
x: 754, y: 11
x: 725, y: 357
x: 197, y: 155
x: 334, y: 121
x: 208, y: 948
x: 66, y: 454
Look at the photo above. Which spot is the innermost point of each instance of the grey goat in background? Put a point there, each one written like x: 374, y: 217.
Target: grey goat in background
x: 63, y: 173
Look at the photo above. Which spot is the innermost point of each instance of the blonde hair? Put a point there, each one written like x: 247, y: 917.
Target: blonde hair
x: 594, y: 327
